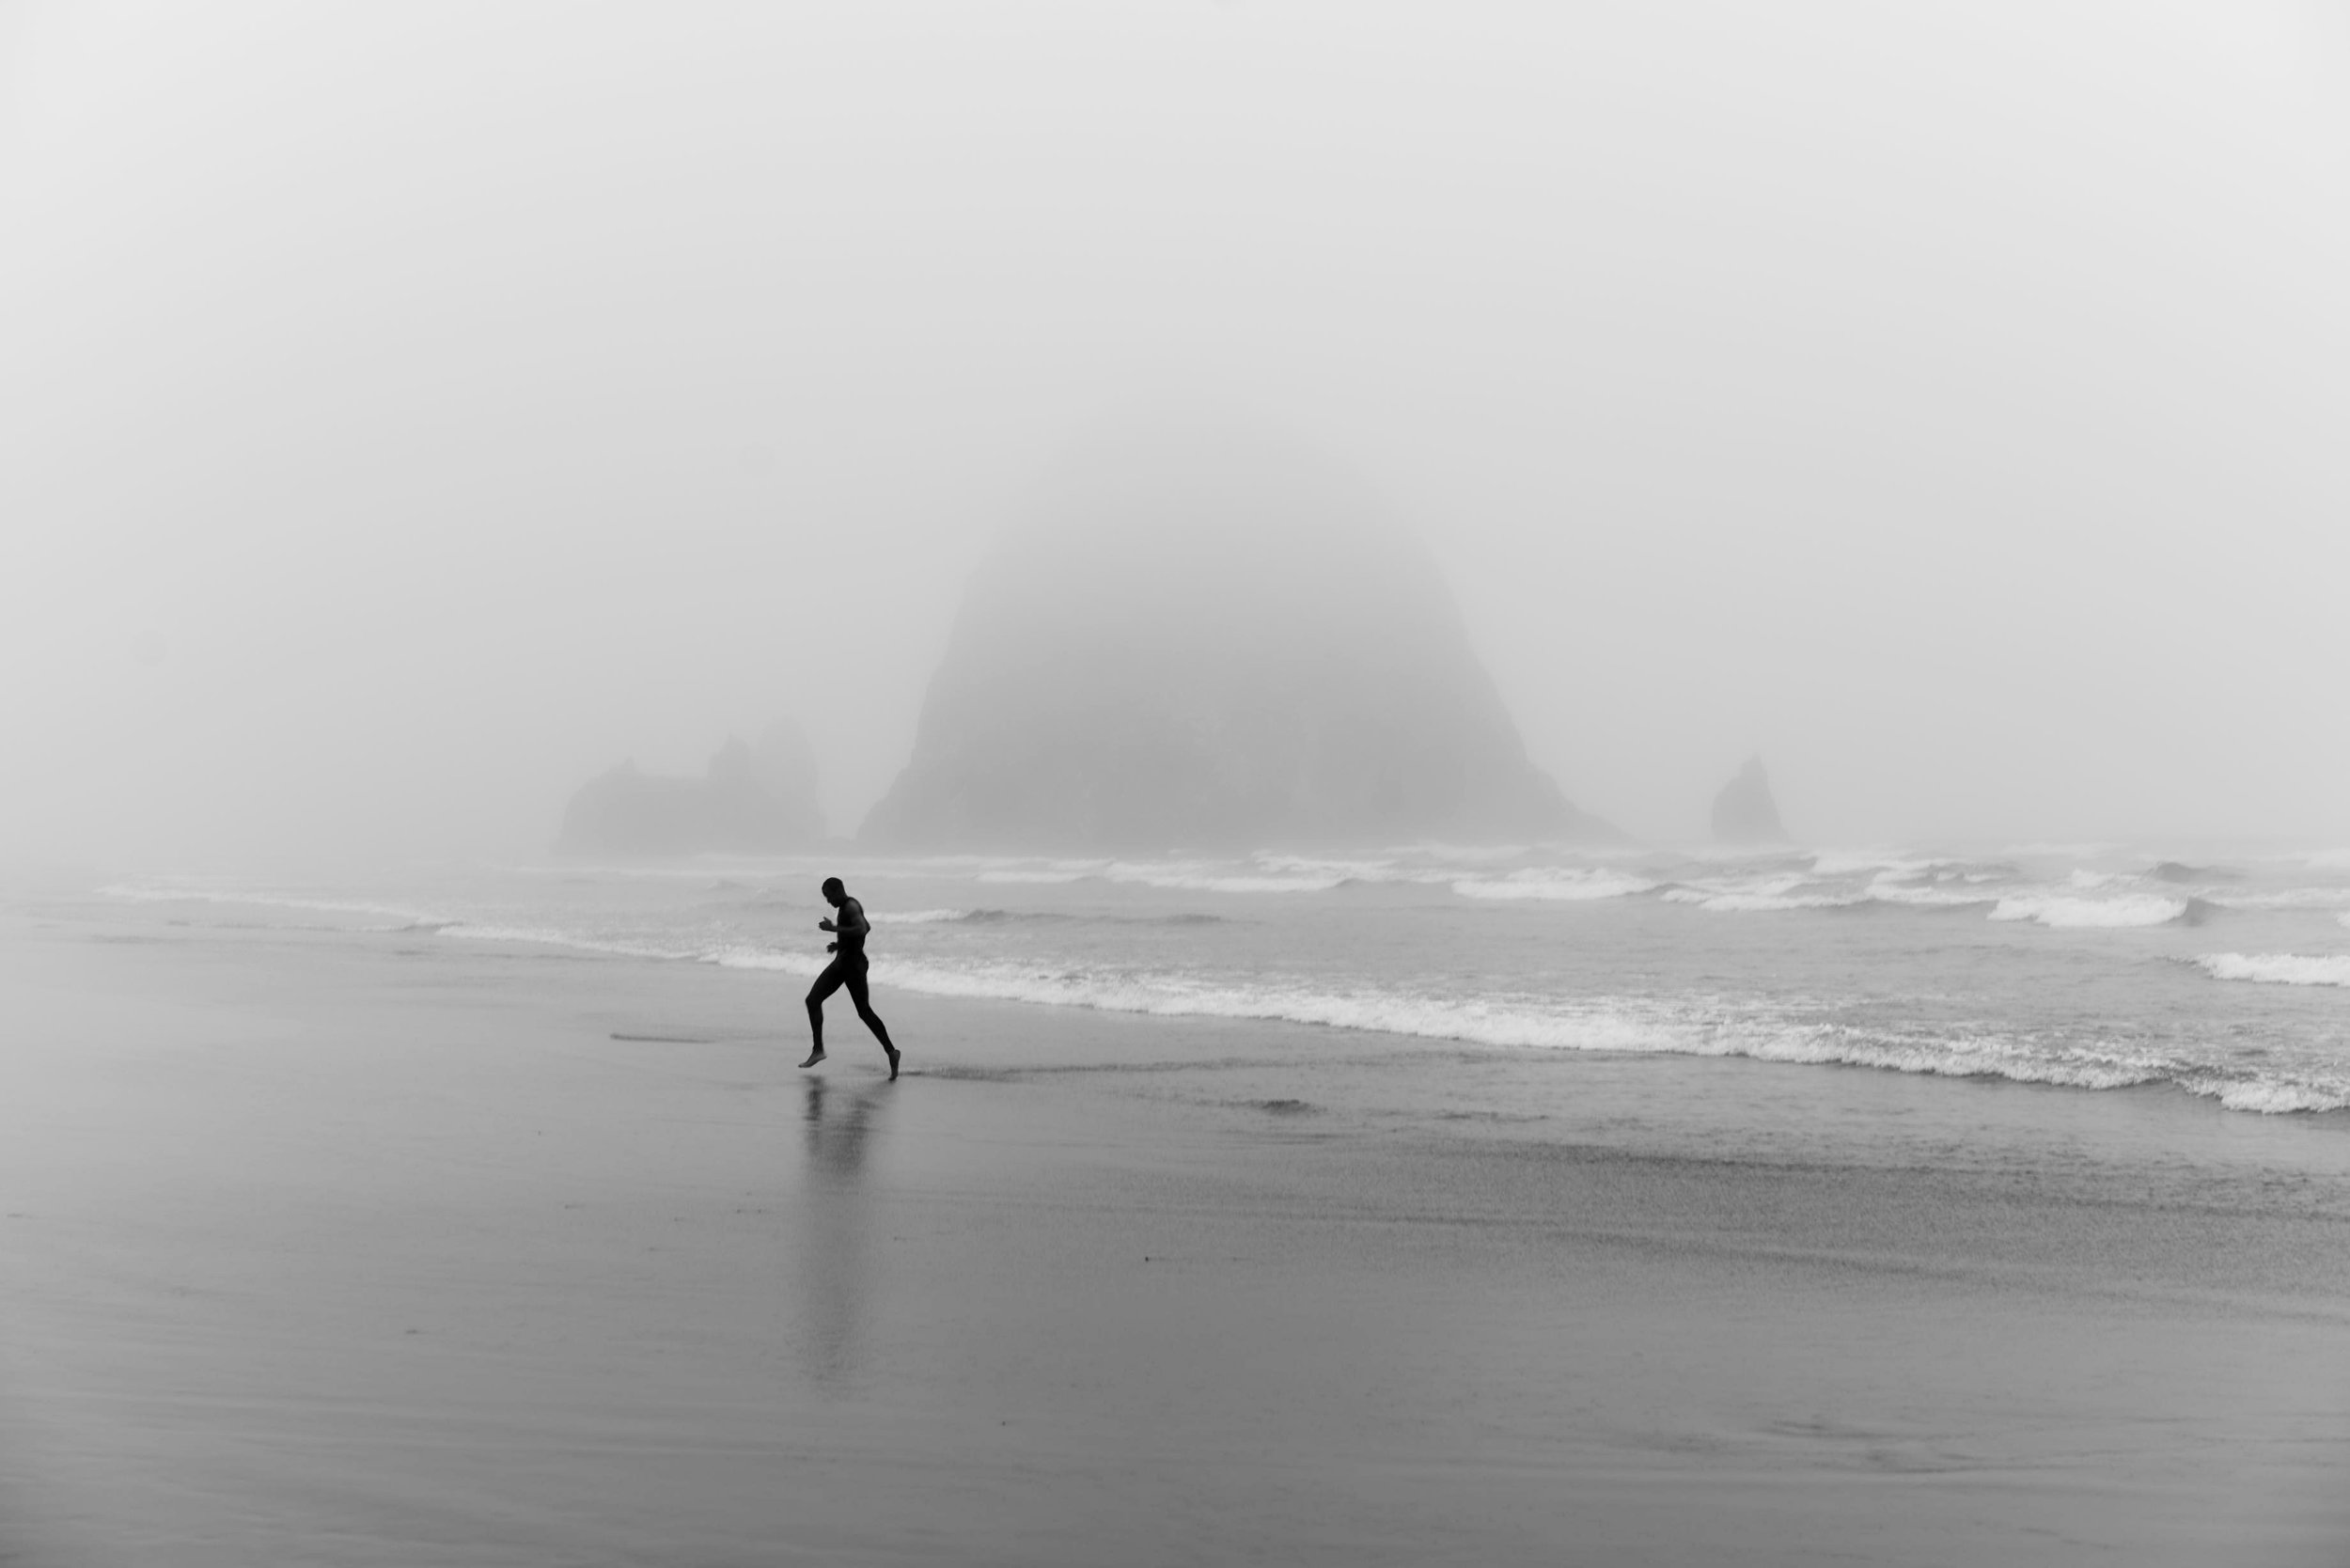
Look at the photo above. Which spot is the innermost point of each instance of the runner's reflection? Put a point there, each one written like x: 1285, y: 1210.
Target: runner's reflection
x: 831, y: 1268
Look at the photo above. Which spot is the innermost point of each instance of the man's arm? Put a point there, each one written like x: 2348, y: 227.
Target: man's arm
x: 852, y: 921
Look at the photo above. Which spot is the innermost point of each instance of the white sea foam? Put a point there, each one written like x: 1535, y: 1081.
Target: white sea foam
x: 1617, y: 1024
x: 1558, y: 885
x: 2279, y: 968
x: 1764, y: 895
x: 1628, y: 1025
x: 1680, y: 1024
x: 2048, y: 909
x: 1851, y: 862
x: 2268, y: 1096
x: 919, y: 917
x: 1758, y: 904
x: 1888, y: 890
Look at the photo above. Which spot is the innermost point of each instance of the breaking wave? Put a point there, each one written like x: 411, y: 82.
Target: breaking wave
x: 1562, y: 884
x: 2278, y: 968
x: 1793, y: 890
x: 1613, y: 1024
x: 2137, y: 909
x: 1927, y: 895
x: 1177, y: 979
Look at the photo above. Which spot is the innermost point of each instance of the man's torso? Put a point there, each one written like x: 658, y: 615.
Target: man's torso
x: 852, y: 926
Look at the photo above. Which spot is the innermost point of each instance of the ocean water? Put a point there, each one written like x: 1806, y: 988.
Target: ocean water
x: 2096, y: 967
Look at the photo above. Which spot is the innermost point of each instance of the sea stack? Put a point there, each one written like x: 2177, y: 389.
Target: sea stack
x: 1212, y: 644
x: 751, y: 799
x: 1744, y: 812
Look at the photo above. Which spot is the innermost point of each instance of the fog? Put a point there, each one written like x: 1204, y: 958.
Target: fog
x: 1200, y: 638
x: 408, y: 413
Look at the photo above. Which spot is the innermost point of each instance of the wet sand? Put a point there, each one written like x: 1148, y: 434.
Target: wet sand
x: 388, y: 1250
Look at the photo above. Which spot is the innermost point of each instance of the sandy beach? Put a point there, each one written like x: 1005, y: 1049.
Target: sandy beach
x: 1594, y: 756
x: 390, y: 1251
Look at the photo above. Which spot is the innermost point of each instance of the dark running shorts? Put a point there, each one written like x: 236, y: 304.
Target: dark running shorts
x: 847, y: 970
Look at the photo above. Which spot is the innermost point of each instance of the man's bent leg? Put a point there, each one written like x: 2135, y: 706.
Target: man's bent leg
x: 826, y: 983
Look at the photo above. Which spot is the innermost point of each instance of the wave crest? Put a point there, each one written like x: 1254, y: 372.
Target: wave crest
x: 2278, y: 968
x: 1556, y: 886
x: 1611, y: 1024
x: 2137, y: 909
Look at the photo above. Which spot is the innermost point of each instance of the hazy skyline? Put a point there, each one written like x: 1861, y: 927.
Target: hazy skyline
x: 406, y: 415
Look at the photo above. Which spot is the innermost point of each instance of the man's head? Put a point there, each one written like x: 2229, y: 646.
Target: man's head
x: 835, y: 894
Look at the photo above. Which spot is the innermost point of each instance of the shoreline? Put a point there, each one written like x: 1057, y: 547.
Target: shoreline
x: 361, y: 1249
x: 2096, y: 1040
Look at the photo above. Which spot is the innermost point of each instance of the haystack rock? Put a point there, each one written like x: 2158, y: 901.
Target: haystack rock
x: 751, y: 799
x: 1212, y: 644
x: 1744, y: 812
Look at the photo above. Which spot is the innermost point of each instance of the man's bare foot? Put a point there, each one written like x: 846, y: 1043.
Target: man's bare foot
x: 814, y: 1056
x: 893, y: 1062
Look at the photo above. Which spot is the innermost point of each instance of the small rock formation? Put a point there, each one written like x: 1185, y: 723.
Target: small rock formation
x: 1212, y: 644
x: 751, y: 799
x: 1744, y: 812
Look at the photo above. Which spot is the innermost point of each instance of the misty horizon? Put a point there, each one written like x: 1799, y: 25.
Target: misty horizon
x: 407, y: 422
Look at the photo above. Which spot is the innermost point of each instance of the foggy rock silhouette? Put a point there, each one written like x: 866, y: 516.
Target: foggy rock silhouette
x: 749, y: 799
x: 1744, y: 812
x: 1213, y: 643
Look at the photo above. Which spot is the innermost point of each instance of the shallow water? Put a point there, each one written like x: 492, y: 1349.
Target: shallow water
x: 2092, y: 966
x: 335, y: 1237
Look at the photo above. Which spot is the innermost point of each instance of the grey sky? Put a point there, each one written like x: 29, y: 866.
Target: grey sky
x: 406, y: 412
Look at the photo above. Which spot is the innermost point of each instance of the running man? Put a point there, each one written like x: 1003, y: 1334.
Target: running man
x: 847, y: 969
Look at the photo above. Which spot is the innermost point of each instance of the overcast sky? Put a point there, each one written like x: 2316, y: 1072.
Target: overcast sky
x: 408, y: 410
